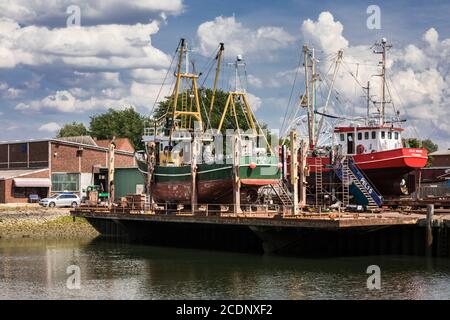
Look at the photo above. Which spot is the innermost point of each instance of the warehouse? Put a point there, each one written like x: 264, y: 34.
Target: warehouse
x: 43, y: 167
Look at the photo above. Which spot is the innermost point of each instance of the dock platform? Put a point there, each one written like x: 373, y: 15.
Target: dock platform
x: 335, y: 233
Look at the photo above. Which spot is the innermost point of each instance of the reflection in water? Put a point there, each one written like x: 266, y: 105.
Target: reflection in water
x: 32, y: 269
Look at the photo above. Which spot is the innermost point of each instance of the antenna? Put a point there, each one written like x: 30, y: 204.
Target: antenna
x: 239, y: 62
x: 381, y: 48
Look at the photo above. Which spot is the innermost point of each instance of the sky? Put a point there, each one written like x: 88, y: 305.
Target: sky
x: 54, y: 71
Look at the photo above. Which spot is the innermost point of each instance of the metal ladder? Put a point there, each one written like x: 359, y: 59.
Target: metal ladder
x: 184, y: 103
x: 370, y: 201
x: 282, y: 193
x: 319, y: 180
x: 345, y: 183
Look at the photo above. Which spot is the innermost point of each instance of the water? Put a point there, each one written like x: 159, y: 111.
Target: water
x: 32, y: 269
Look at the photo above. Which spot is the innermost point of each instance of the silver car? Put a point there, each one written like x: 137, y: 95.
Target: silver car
x: 61, y: 200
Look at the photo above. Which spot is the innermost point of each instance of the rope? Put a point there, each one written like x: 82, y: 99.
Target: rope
x: 292, y: 92
x: 165, y: 78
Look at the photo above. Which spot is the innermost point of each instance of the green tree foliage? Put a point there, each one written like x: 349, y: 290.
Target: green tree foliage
x: 427, y: 144
x: 214, y: 117
x: 125, y: 123
x: 72, y: 130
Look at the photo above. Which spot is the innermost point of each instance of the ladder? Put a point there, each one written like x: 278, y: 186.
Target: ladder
x: 366, y: 194
x: 283, y: 193
x: 184, y: 103
x: 345, y: 183
x: 319, y: 180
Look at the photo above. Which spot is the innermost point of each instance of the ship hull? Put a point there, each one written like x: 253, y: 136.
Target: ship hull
x: 214, y: 182
x: 388, y: 171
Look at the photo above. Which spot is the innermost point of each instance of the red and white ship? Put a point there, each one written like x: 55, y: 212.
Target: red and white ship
x: 376, y: 145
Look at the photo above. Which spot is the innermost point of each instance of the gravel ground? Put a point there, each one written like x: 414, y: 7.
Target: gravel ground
x: 32, y: 221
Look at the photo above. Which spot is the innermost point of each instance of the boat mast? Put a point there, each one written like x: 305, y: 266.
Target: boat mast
x: 308, y: 102
x: 313, y: 80
x: 189, y: 77
x: 384, y: 47
x: 219, y: 61
x: 177, y: 85
x: 368, y: 101
x: 336, y: 68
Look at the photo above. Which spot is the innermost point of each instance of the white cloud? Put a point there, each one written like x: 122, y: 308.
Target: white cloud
x: 254, y: 81
x: 7, y: 92
x: 30, y: 11
x: 432, y: 37
x: 419, y: 73
x: 65, y: 102
x: 324, y: 33
x: 239, y: 39
x: 50, y: 127
x: 254, y: 101
x: 97, y: 47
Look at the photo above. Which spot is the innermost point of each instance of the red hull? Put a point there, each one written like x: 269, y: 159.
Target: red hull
x: 385, y: 169
x: 406, y: 158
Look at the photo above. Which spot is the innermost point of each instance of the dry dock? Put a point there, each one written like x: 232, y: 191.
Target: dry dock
x: 306, y: 234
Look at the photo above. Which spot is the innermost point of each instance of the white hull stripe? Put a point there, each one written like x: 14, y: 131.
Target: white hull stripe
x: 387, y: 159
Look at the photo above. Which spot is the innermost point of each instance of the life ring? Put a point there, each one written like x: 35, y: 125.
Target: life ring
x: 360, y: 149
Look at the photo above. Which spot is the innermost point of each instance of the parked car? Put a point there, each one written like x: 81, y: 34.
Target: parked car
x: 61, y: 200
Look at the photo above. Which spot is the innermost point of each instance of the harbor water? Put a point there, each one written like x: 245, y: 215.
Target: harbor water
x: 38, y: 269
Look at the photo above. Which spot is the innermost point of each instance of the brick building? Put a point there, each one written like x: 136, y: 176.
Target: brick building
x: 441, y: 158
x: 48, y: 166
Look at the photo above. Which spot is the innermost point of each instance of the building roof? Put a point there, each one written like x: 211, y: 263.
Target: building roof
x: 10, y: 174
x: 87, y: 140
x: 123, y: 144
x: 441, y: 153
x: 124, y: 147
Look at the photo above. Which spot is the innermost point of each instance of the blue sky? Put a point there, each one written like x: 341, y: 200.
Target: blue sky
x: 51, y: 74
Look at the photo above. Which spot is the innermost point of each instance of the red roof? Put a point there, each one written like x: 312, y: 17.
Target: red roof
x: 122, y: 144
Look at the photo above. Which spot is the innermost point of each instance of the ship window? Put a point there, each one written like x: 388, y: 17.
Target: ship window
x: 389, y: 134
x: 342, y: 137
x: 383, y: 134
x: 366, y: 135
x: 359, y: 135
x: 374, y: 134
x: 396, y: 136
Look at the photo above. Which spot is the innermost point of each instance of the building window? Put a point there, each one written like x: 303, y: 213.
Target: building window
x: 396, y: 135
x: 23, y: 148
x: 390, y: 135
x: 342, y: 137
x: 359, y: 135
x: 65, y: 182
x: 383, y: 134
x: 366, y: 135
x: 374, y: 134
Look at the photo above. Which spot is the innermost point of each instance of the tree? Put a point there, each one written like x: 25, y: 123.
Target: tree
x: 427, y: 144
x: 125, y: 123
x: 72, y: 130
x: 211, y: 120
